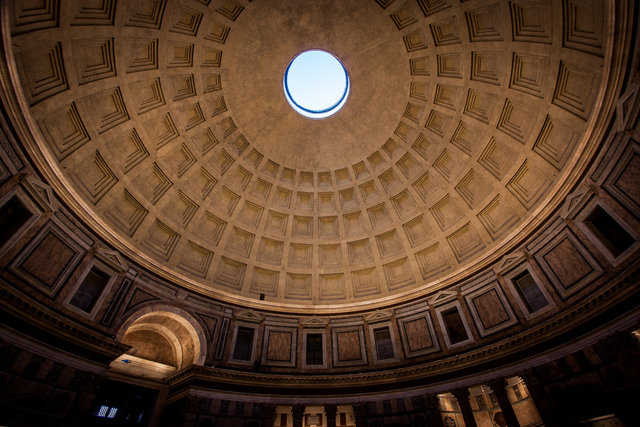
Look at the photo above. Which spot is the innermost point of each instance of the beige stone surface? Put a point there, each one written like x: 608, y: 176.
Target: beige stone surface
x: 357, y: 33
x: 170, y: 127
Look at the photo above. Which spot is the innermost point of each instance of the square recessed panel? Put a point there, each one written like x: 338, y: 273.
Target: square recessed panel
x: 567, y: 263
x: 49, y: 259
x: 348, y: 346
x: 417, y: 334
x: 490, y: 309
x: 279, y: 346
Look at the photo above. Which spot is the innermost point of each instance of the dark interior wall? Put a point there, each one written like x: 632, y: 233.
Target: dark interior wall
x: 203, y: 412
x: 36, y: 391
x: 599, y: 380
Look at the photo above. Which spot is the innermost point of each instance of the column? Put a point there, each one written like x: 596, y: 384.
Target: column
x: 434, y: 418
x: 499, y: 390
x: 158, y: 407
x: 539, y: 396
x: 298, y: 413
x: 462, y: 395
x: 330, y: 411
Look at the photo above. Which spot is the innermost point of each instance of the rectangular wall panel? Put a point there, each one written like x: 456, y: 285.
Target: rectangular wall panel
x: 13, y: 216
x: 243, y: 347
x: 615, y: 233
x: 454, y: 326
x: 529, y: 292
x: 314, y: 349
x: 384, y: 344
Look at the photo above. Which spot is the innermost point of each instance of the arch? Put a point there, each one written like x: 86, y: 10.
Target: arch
x: 169, y: 336
x: 163, y: 339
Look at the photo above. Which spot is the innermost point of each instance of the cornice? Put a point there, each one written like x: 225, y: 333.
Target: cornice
x: 29, y: 314
x: 602, y: 302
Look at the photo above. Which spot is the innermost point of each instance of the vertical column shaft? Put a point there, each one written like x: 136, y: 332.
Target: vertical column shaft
x: 499, y: 390
x: 330, y: 411
x: 434, y: 418
x: 298, y: 414
x: 462, y: 395
x: 540, y: 398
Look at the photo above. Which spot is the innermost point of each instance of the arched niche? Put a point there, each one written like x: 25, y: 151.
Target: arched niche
x: 163, y: 340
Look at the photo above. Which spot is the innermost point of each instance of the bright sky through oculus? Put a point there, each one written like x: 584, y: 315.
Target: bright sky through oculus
x: 316, y: 84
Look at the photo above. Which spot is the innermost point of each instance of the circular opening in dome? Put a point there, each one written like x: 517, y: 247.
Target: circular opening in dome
x: 316, y: 84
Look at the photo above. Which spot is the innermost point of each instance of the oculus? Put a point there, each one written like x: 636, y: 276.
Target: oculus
x: 316, y: 84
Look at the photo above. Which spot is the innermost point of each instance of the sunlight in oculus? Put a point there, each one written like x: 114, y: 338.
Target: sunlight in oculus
x: 316, y: 84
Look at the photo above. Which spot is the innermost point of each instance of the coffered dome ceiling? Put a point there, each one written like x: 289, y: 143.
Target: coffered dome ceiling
x: 164, y: 124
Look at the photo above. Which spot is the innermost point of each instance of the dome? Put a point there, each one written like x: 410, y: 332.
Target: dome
x: 178, y: 145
